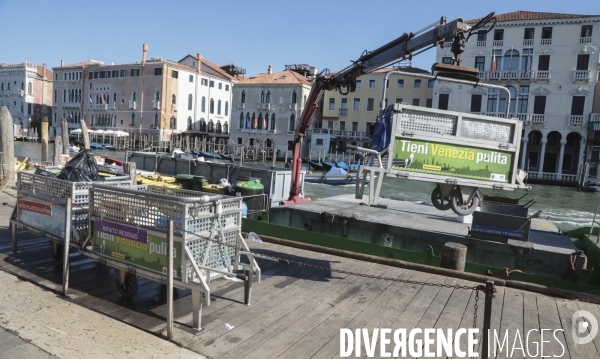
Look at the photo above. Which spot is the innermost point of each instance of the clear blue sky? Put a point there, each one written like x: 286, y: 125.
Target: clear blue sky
x: 251, y: 34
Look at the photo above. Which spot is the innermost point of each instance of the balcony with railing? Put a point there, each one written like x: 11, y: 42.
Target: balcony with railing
x: 527, y: 42
x: 241, y: 106
x: 156, y: 105
x: 343, y: 111
x: 263, y: 106
x: 535, y: 118
x: 498, y: 43
x: 447, y: 44
x: 112, y: 106
x: 293, y: 106
x: 21, y: 93
x: 132, y: 105
x: 99, y: 107
x: 521, y: 116
x: 71, y: 105
x: 342, y: 133
x: 543, y: 75
x: 594, y: 117
x: 495, y: 114
x: 582, y: 75
x: 481, y: 44
x: 546, y: 42
x: 551, y: 176
x: 174, y: 106
x: 575, y: 120
x: 585, y: 40
x: 507, y: 75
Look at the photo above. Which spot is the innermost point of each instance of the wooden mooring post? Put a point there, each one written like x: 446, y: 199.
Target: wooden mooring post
x: 7, y: 144
x: 454, y: 256
x: 65, y: 135
x: 44, y: 139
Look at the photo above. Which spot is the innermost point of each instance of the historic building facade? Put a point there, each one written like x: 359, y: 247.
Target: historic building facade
x: 548, y: 62
x: 154, y: 97
x: 26, y: 89
x: 267, y: 107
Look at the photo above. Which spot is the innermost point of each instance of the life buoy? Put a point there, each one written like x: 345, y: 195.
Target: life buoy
x: 323, y: 178
x: 349, y: 178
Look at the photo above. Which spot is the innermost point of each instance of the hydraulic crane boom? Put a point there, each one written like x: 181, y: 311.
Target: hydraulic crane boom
x: 403, y: 47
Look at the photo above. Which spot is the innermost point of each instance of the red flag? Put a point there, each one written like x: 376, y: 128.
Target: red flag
x: 494, y: 63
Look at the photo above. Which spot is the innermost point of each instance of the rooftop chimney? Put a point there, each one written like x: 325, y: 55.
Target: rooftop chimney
x: 44, y: 71
x: 270, y: 70
x: 62, y: 63
x: 145, y: 48
x: 199, y: 59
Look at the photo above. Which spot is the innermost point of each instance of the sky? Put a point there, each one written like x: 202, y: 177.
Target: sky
x: 250, y: 34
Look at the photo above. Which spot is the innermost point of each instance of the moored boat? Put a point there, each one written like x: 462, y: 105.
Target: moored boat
x: 335, y: 176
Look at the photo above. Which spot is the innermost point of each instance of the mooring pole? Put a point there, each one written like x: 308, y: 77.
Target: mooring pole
x: 170, y: 279
x: 66, y: 242
x: 487, y: 317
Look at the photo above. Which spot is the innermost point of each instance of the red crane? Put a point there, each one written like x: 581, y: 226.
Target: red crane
x: 405, y: 46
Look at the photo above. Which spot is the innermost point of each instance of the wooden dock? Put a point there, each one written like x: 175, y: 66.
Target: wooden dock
x: 297, y: 311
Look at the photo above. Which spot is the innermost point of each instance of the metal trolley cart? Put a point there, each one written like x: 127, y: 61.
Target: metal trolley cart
x: 128, y: 230
x: 54, y: 209
x: 460, y: 152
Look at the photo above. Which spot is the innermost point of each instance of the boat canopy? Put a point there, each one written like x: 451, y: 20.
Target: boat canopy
x: 337, y: 171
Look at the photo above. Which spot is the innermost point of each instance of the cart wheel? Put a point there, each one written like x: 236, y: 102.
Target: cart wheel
x: 460, y: 208
x: 129, y: 287
x: 439, y: 202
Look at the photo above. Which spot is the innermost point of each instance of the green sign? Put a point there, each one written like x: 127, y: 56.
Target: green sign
x: 452, y: 160
x: 134, y: 246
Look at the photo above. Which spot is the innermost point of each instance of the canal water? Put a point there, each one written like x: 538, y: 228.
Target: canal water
x: 565, y: 206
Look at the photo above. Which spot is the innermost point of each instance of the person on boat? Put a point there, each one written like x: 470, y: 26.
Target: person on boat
x: 288, y: 164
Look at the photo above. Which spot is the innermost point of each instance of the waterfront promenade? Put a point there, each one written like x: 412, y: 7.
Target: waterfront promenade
x: 296, y: 312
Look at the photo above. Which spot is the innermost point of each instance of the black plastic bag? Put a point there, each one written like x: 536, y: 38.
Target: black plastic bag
x: 82, y: 168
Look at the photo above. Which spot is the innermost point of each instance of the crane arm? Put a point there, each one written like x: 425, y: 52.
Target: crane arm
x: 344, y: 81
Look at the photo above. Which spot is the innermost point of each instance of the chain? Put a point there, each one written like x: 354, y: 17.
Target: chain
x: 476, y: 288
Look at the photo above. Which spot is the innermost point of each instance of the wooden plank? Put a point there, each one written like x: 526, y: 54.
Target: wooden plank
x: 318, y: 298
x: 566, y: 311
x: 531, y: 323
x: 512, y: 323
x: 396, y: 297
x: 270, y: 310
x: 358, y: 310
x: 550, y: 319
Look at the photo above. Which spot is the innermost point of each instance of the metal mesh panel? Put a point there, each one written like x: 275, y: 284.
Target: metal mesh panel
x: 210, y: 254
x: 427, y: 122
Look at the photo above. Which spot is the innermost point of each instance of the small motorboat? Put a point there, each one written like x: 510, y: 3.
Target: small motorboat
x: 317, y: 165
x: 335, y: 176
x: 96, y: 146
x: 591, y: 187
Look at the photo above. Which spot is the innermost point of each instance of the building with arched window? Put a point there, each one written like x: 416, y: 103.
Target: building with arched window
x: 26, y: 89
x: 173, y: 93
x: 549, y: 64
x: 264, y: 104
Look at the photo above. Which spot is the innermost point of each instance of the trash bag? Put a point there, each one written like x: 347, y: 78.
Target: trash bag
x: 82, y: 168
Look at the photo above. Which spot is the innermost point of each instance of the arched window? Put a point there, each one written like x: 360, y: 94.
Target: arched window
x: 266, y: 123
x: 268, y: 100
x: 262, y: 96
x: 190, y: 101
x: 294, y: 96
x: 2, y: 87
x: 173, y: 122
x: 243, y: 100
x: 156, y: 120
x: 132, y: 120
x: 254, y: 122
x: 22, y: 86
x: 304, y: 103
x: 174, y: 99
x: 8, y: 86
x: 219, y: 107
x: 273, y: 122
x: 115, y: 98
x: 226, y: 108
x: 202, y: 125
x: 189, y: 127
x: 219, y: 127
x: 157, y: 96
x: 513, y: 99
x: 292, y: 123
x: 203, y: 104
x: 511, y: 60
x: 260, y: 121
x: 29, y: 88
x: 134, y: 97
x: 225, y: 127
x: 212, y: 106
x: 241, y: 121
x: 211, y: 126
